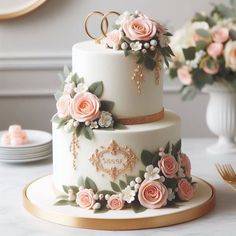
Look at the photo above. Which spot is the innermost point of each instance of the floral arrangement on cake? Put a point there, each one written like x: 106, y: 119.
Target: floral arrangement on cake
x: 165, y: 181
x: 80, y: 108
x: 205, y: 50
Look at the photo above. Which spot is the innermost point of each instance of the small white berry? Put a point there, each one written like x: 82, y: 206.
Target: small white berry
x: 124, y: 46
x: 136, y: 187
x: 162, y: 179
x: 153, y: 42
x: 152, y: 48
x: 100, y: 196
x: 107, y: 196
x: 146, y: 45
x: 138, y: 180
x: 97, y: 205
x: 132, y: 183
x: 81, y: 188
x: 136, y: 13
x: 95, y: 197
x: 76, y: 123
x: 161, y: 154
x: 161, y: 149
x: 144, y: 51
x: 87, y: 123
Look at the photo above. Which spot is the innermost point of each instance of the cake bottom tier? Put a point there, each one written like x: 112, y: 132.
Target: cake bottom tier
x: 110, y: 156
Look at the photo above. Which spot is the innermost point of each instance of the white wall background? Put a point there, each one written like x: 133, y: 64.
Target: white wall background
x: 34, y: 48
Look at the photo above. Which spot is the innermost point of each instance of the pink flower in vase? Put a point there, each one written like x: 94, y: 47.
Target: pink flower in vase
x: 184, y: 75
x: 63, y: 106
x: 85, y: 107
x: 185, y: 190
x: 211, y: 71
x: 140, y: 28
x: 152, y: 194
x: 220, y: 34
x: 85, y: 198
x: 168, y: 165
x: 215, y: 49
x: 113, y: 38
x: 115, y: 202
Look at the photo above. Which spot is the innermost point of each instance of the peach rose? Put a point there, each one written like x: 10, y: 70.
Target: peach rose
x: 230, y: 55
x: 211, y: 71
x: 220, y: 34
x: 115, y: 202
x: 215, y: 49
x: 185, y: 190
x: 152, y: 194
x: 85, y: 107
x: 113, y: 38
x: 63, y: 106
x: 140, y: 28
x: 168, y: 165
x: 84, y: 198
x: 185, y: 162
x: 184, y: 75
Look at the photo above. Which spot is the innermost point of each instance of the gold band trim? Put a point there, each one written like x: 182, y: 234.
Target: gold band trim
x: 120, y: 224
x: 142, y: 119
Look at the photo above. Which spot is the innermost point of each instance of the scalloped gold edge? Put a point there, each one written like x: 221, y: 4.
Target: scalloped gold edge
x: 120, y: 224
x: 23, y: 11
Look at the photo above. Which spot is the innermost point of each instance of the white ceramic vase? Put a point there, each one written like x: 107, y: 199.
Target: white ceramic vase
x: 221, y: 117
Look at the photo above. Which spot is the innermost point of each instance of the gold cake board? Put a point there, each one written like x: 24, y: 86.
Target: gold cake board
x: 38, y: 199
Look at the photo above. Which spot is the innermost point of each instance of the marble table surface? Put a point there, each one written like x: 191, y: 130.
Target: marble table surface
x: 14, y: 220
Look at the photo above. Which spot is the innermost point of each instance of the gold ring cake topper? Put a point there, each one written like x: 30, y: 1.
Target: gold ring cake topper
x: 104, y: 24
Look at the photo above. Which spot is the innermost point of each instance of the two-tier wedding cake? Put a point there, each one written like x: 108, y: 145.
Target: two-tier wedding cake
x: 114, y: 144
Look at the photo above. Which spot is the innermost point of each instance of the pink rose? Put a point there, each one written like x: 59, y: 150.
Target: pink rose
x: 215, y: 49
x: 140, y: 28
x: 152, y: 194
x: 220, y: 34
x: 185, y: 162
x: 84, y: 198
x: 115, y: 202
x: 160, y: 28
x: 85, y: 107
x: 113, y: 38
x: 184, y: 75
x: 185, y: 190
x: 211, y: 71
x: 168, y: 165
x: 68, y: 88
x: 14, y: 129
x: 5, y: 139
x: 63, y: 106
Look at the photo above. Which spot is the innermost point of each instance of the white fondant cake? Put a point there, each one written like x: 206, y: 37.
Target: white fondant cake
x: 97, y: 165
x: 148, y: 136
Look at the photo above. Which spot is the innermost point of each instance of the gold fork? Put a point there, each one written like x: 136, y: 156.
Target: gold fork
x: 227, y: 173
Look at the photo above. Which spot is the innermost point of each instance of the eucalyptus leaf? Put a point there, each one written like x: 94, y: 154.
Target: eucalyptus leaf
x: 61, y: 202
x: 122, y: 184
x: 141, y: 174
x: 66, y: 70
x: 56, y: 119
x: 149, y: 62
x: 189, y: 53
x: 188, y: 93
x: 104, y: 192
x: 137, y: 207
x: 129, y: 178
x: 203, y: 33
x: 115, y: 187
x: 201, y: 45
x: 80, y: 181
x: 173, y: 72
x: 88, y: 132
x: 146, y: 157
x: 74, y: 188
x: 167, y: 148
x: 79, y: 129
x: 89, y: 183
x: 65, y: 188
x: 106, y: 105
x: 96, y: 88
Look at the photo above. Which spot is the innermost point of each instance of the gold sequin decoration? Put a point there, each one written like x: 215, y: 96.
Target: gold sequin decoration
x: 158, y: 68
x: 138, y: 77
x: 74, y: 146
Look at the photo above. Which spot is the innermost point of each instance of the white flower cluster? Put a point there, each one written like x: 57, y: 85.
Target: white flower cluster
x: 128, y: 194
x: 198, y: 56
x: 153, y: 173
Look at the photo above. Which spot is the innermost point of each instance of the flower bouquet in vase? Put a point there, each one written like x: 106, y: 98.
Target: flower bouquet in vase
x: 205, y: 59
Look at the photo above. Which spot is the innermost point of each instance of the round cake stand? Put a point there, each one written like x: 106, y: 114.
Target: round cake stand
x: 39, y: 197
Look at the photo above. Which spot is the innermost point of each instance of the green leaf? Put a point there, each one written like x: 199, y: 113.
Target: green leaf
x: 80, y: 181
x: 169, y: 51
x: 225, y: 11
x: 200, y: 78
x: 65, y: 188
x: 140, y: 59
x: 189, y: 53
x: 171, y: 183
x: 96, y: 88
x: 155, y: 160
x: 188, y: 93
x: 167, y: 148
x: 115, y: 187
x: 129, y: 178
x: 122, y: 184
x: 176, y: 148
x: 146, y: 157
x: 203, y: 33
x: 61, y: 202
x: 233, y: 3
x: 119, y: 126
x: 74, y: 188
x: 149, y: 62
x: 201, y: 45
x: 62, y: 197
x: 88, y: 132
x: 66, y: 70
x: 106, y: 105
x: 141, y: 174
x: 173, y: 72
x: 56, y: 119
x: 101, y: 210
x: 137, y: 207
x: 79, y: 129
x: 104, y: 192
x: 232, y: 34
x: 89, y: 183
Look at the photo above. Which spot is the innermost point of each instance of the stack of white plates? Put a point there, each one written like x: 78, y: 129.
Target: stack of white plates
x: 39, y: 147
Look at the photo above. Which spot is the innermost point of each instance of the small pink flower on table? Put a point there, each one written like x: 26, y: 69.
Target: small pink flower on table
x: 140, y: 28
x: 85, y: 198
x: 115, y: 202
x: 184, y: 75
x: 63, y: 106
x: 152, y: 194
x: 168, y: 165
x: 85, y: 107
x: 185, y: 190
